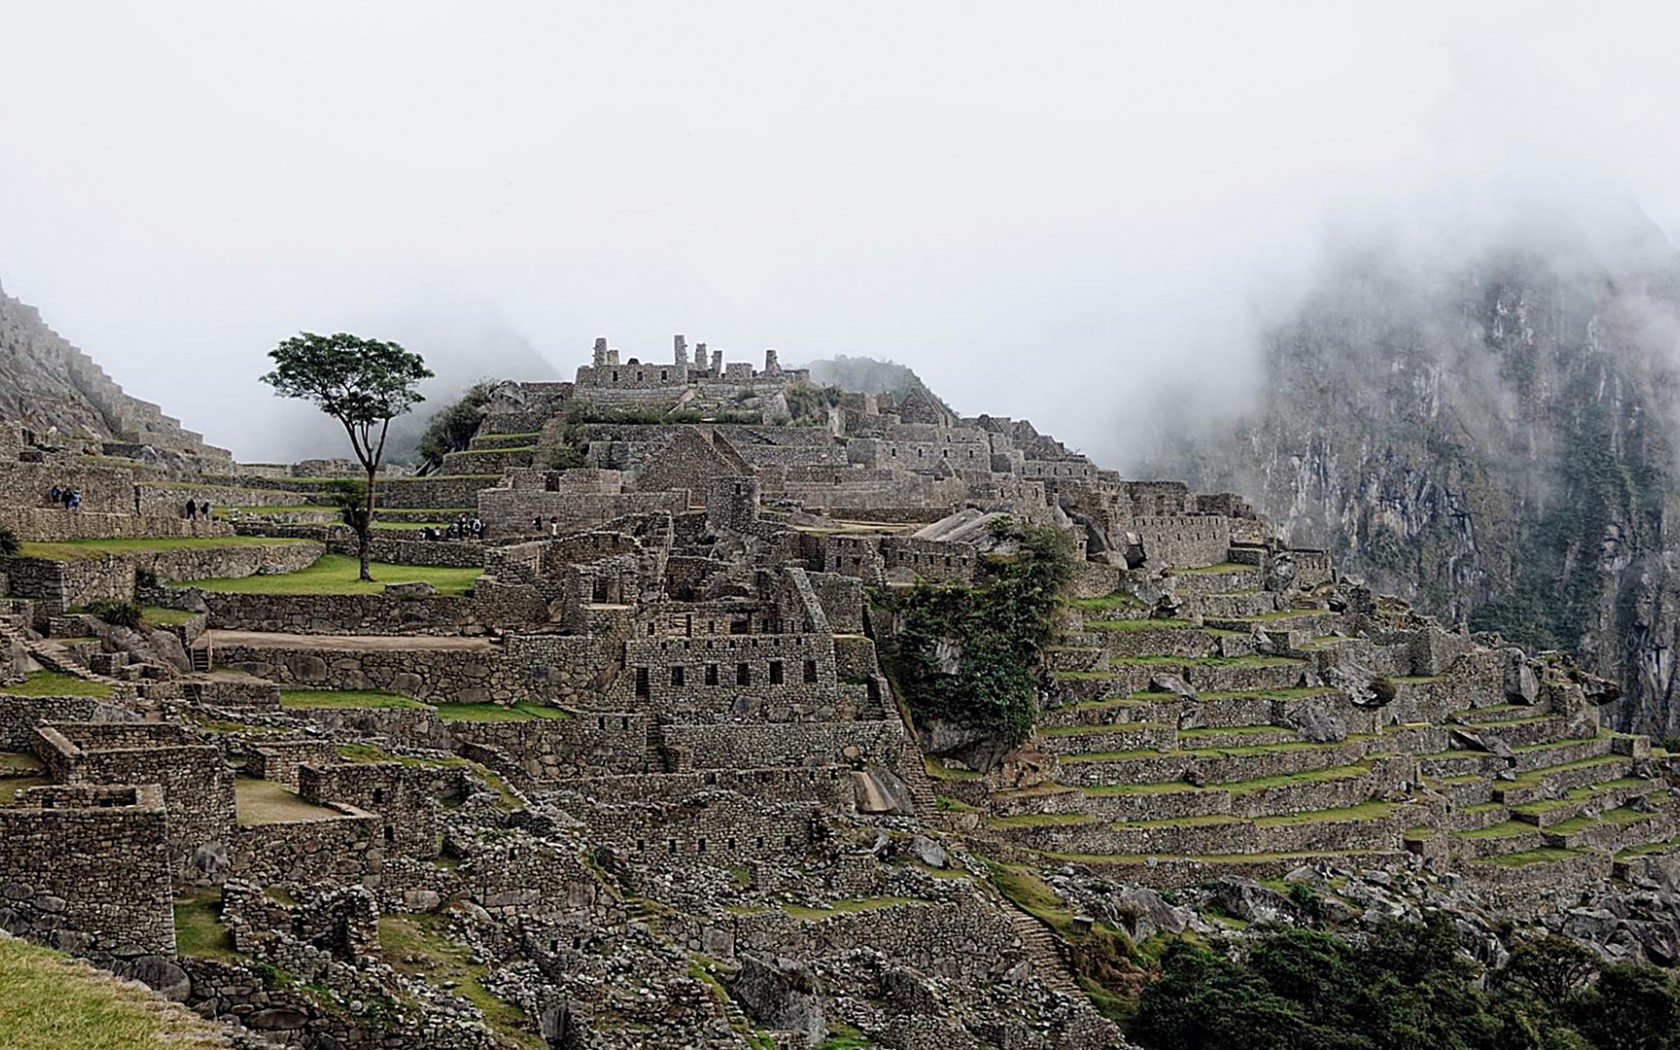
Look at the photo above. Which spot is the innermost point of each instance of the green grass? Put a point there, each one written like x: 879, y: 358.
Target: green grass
x: 420, y: 945
x: 70, y: 550
x: 492, y: 779
x: 336, y: 574
x: 1363, y: 811
x: 10, y: 786
x: 52, y: 683
x: 846, y: 907
x: 157, y: 616
x: 268, y: 802
x: 1503, y: 830
x: 50, y: 1002
x: 199, y: 930
x: 521, y: 712
x: 344, y: 698
x: 1545, y: 855
x: 1239, y: 787
x: 1203, y: 661
x: 940, y: 771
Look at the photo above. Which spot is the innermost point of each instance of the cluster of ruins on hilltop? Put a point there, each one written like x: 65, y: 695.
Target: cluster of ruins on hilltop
x: 641, y: 779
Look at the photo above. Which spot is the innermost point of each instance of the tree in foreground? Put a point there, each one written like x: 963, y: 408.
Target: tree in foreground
x: 362, y: 383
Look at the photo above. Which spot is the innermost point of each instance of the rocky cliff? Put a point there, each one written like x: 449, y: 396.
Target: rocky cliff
x: 1492, y: 438
x: 56, y: 390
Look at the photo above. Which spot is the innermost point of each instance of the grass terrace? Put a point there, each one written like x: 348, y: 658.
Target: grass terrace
x: 158, y: 616
x: 1224, y: 568
x: 71, y: 550
x: 52, y: 683
x: 1140, y: 625
x: 846, y: 907
x: 199, y: 930
x: 49, y: 1001
x: 1117, y: 600
x: 337, y: 574
x: 345, y: 698
x: 521, y: 712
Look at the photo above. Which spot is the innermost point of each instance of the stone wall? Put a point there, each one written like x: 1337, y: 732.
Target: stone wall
x: 197, y: 784
x: 795, y: 744
x: 779, y: 677
x: 19, y: 715
x: 278, y: 760
x: 720, y: 828
x: 548, y: 751
x: 87, y: 870
x: 403, y: 797
x: 34, y: 523
x: 453, y: 675
x: 344, y: 850
x: 508, y: 511
x: 340, y: 613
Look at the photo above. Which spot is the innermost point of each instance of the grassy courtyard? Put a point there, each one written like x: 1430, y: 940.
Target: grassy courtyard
x: 345, y: 698
x: 336, y: 574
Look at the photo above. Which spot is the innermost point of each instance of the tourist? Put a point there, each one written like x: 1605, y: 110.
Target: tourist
x: 553, y: 526
x: 75, y: 500
x: 536, y: 523
x: 53, y: 495
x: 204, y: 509
x: 192, y: 510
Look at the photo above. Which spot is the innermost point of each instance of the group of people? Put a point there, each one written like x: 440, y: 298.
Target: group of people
x: 553, y: 525
x: 200, y: 509
x: 462, y: 528
x: 65, y: 496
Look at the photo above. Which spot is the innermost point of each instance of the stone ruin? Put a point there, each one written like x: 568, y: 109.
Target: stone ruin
x: 647, y: 783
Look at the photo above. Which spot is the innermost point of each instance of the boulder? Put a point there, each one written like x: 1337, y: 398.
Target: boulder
x: 1251, y: 902
x: 1161, y: 682
x: 881, y: 792
x: 781, y: 993
x: 1317, y: 724
x: 409, y: 590
x: 928, y: 851
x: 1469, y: 741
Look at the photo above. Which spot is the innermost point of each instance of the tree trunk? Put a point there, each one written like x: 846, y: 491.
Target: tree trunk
x: 364, y: 530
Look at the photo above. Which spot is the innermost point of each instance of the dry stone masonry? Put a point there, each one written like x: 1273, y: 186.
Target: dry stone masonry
x: 647, y: 781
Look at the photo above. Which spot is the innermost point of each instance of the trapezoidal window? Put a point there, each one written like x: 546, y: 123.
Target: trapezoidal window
x: 711, y: 674
x: 642, y: 687
x: 677, y: 675
x: 743, y: 674
x: 775, y: 672
x: 810, y: 670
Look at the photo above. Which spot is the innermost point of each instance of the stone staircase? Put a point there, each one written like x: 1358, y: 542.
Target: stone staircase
x: 1047, y: 954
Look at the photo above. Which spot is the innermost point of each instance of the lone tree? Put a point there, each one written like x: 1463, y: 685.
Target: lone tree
x: 362, y: 383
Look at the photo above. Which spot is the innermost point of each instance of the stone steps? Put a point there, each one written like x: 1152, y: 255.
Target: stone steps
x: 1044, y: 950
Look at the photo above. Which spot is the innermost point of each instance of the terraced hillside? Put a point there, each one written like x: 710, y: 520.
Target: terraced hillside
x: 1201, y: 723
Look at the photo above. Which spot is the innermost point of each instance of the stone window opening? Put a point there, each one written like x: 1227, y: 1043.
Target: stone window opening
x: 711, y: 778
x: 743, y: 674
x: 615, y: 375
x: 731, y: 844
x: 664, y: 374
x: 711, y: 674
x: 677, y: 675
x: 700, y: 846
x: 624, y: 723
x: 775, y: 672
x: 810, y: 670
x: 378, y: 796
x: 390, y: 834
x: 758, y: 843
x: 641, y: 844
x: 643, y: 689
x: 577, y: 942
x: 673, y: 845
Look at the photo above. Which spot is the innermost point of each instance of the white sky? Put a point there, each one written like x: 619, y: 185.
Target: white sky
x: 1050, y: 210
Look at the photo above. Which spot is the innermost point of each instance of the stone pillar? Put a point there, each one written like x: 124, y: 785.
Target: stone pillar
x: 699, y: 357
x: 679, y: 358
x: 600, y: 352
x: 771, y: 366
x: 717, y: 364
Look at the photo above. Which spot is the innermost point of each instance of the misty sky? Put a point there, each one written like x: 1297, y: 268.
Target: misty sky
x: 1052, y: 210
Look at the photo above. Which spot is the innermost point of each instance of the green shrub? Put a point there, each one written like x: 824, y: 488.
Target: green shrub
x: 116, y: 613
x: 1384, y: 688
x: 9, y: 542
x: 452, y: 429
x: 998, y: 627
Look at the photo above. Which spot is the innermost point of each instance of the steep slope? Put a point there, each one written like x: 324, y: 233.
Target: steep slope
x: 1493, y: 440
x: 49, y: 385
